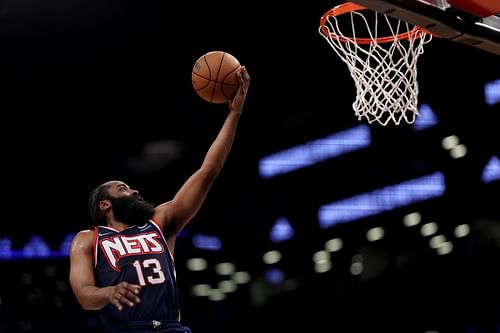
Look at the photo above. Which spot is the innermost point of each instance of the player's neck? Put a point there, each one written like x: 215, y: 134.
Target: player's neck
x: 120, y: 226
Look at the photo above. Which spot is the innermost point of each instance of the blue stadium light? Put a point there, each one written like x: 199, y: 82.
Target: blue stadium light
x: 18, y: 255
x: 315, y: 151
x: 427, y: 118
x: 274, y: 275
x: 5, y: 248
x: 35, y: 249
x: 281, y: 231
x: 381, y: 200
x: 206, y: 242
x: 492, y: 92
x: 65, y: 246
x: 491, y: 171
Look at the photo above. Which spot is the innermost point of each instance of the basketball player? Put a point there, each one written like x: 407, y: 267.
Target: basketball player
x: 124, y: 266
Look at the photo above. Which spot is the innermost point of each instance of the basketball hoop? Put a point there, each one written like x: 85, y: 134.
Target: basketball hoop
x: 381, y: 54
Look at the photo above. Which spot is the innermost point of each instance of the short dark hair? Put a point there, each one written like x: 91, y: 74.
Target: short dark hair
x: 98, y: 194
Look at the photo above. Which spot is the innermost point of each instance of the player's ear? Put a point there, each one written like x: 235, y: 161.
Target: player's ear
x: 104, y: 204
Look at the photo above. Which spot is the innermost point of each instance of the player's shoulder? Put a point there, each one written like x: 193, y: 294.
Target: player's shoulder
x: 83, y: 242
x: 161, y: 215
x: 87, y: 235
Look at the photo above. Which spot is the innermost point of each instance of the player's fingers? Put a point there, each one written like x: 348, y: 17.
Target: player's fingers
x: 116, y: 301
x: 132, y: 297
x: 244, y: 73
x: 124, y: 299
x: 241, y: 75
x: 134, y: 288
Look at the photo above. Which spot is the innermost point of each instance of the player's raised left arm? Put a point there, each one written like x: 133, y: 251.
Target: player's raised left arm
x: 174, y: 214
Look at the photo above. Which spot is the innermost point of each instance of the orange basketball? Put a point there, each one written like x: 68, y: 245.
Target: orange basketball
x: 214, y: 76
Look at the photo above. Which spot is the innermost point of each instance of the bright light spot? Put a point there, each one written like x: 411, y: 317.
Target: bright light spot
x: 334, y: 244
x: 271, y: 257
x: 412, y: 219
x: 201, y: 289
x: 429, y: 229
x: 450, y: 142
x: 241, y: 277
x: 356, y: 268
x: 462, y: 230
x: 225, y: 268
x: 323, y: 267
x: 227, y: 286
x: 321, y: 256
x: 445, y: 248
x: 437, y: 241
x: 375, y: 234
x: 196, y: 264
x: 458, y: 151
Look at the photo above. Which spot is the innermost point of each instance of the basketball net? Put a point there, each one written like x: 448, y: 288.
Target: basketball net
x: 384, y: 69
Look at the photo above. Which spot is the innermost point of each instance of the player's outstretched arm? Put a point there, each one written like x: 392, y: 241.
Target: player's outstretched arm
x: 174, y: 214
x: 82, y: 279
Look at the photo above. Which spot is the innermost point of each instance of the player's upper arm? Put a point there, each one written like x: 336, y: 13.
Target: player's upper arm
x: 82, y: 260
x: 176, y: 213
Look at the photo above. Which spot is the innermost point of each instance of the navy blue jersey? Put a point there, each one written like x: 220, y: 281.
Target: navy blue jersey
x: 137, y: 255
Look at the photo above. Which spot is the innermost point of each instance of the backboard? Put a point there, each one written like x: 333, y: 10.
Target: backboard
x: 472, y: 22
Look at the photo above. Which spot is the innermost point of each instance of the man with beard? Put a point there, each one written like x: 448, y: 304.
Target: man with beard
x: 124, y: 265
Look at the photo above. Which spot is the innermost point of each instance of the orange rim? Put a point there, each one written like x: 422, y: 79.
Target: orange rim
x: 349, y: 7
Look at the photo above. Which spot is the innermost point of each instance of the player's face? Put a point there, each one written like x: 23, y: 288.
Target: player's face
x: 129, y: 206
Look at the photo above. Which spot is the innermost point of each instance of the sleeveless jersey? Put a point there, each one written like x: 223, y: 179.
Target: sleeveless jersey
x: 137, y: 255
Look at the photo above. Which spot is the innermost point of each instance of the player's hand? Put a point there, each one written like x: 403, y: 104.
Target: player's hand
x: 125, y: 294
x: 236, y: 104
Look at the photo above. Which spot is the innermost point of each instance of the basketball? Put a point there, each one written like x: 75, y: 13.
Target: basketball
x: 214, y: 76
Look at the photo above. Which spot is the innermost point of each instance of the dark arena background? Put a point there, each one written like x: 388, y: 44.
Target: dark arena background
x: 360, y: 228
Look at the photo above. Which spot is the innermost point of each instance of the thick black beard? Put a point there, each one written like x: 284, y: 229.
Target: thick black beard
x: 132, y: 210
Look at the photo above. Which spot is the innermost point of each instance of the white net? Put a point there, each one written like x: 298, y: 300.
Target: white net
x: 384, y: 69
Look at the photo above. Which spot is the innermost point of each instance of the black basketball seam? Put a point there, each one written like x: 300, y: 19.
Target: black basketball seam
x: 229, y: 84
x: 217, y: 81
x: 201, y: 76
x: 209, y: 69
x: 217, y: 77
